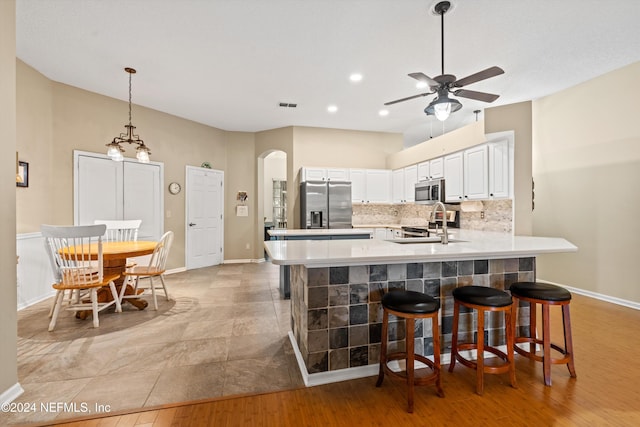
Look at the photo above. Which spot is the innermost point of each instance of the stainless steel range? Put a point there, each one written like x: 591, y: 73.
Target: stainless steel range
x: 433, y: 226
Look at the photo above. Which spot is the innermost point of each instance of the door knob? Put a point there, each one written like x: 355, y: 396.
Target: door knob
x: 191, y: 224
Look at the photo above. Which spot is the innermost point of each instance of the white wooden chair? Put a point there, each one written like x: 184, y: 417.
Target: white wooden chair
x: 156, y: 268
x: 71, y: 250
x: 120, y: 230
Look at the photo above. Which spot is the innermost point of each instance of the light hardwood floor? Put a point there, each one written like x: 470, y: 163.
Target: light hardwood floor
x: 606, y: 392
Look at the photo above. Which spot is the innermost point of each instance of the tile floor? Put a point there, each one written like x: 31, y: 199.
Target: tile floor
x: 224, y: 333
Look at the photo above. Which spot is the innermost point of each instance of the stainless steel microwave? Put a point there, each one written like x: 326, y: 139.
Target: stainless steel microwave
x: 430, y: 191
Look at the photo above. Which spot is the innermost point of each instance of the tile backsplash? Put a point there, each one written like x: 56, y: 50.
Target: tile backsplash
x: 497, y: 215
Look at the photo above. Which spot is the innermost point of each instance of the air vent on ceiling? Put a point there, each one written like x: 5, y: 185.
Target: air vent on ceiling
x: 287, y: 104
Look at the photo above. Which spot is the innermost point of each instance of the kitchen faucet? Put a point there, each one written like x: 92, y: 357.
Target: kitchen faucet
x: 445, y: 234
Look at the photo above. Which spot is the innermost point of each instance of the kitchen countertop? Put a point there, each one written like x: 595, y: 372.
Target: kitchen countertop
x: 317, y: 232
x: 465, y: 245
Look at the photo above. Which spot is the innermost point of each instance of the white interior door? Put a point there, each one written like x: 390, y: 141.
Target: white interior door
x: 204, y: 231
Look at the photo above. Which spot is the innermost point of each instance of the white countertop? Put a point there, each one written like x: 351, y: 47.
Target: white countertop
x: 470, y: 245
x: 281, y: 232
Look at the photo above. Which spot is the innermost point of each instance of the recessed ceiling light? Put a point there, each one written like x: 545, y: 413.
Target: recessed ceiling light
x: 421, y: 85
x: 383, y: 113
x: 355, y: 77
x: 332, y: 108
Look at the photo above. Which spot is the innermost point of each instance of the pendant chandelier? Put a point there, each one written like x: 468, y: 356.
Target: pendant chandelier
x: 115, y: 150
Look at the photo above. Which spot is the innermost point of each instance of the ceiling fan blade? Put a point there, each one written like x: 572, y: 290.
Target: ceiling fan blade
x: 484, y: 74
x: 408, y: 98
x: 421, y: 77
x: 479, y: 96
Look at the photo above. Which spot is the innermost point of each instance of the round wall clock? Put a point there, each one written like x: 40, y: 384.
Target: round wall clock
x: 174, y: 188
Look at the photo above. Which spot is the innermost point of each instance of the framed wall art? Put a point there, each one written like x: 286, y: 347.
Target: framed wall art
x: 22, y: 177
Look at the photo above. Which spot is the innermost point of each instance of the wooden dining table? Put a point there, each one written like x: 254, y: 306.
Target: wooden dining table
x: 114, y: 261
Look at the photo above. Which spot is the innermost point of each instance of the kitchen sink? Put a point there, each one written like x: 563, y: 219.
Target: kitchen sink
x: 434, y: 239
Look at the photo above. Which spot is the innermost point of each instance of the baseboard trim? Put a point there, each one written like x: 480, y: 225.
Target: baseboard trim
x: 11, y: 394
x: 243, y: 261
x: 596, y: 295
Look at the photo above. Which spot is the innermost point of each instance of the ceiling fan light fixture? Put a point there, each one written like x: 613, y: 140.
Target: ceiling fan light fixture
x: 442, y: 107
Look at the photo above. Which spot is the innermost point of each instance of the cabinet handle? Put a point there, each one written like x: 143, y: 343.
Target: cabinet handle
x: 491, y: 194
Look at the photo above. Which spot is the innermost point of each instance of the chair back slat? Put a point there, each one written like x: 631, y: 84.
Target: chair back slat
x: 70, y: 253
x: 120, y: 231
x: 161, y: 252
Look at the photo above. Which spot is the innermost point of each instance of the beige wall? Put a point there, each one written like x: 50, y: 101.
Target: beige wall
x: 240, y: 175
x: 586, y: 168
x: 8, y: 294
x: 516, y: 118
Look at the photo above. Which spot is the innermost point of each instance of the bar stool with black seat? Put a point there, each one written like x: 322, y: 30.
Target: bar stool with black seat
x: 483, y: 299
x: 546, y: 295
x: 410, y: 305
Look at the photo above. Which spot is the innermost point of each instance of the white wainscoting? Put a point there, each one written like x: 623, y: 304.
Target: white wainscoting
x: 34, y: 270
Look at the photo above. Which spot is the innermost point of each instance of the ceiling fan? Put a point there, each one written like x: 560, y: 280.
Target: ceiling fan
x: 445, y: 84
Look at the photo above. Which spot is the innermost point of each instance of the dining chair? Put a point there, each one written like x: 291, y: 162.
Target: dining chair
x: 120, y: 230
x: 75, y: 253
x: 156, y: 268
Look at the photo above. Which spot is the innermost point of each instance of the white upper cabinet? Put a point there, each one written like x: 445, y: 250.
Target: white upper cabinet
x: 324, y: 174
x: 476, y: 176
x: 453, y: 178
x: 358, y: 185
x: 410, y: 179
x: 436, y: 168
x: 423, y: 171
x: 378, y: 185
x: 404, y: 184
x: 370, y: 185
x: 398, y: 186
x: 499, y: 170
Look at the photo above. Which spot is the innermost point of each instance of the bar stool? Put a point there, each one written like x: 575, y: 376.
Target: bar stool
x: 483, y: 299
x: 546, y: 295
x: 410, y: 305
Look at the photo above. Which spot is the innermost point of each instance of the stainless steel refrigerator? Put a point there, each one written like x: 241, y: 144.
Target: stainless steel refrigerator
x: 325, y: 204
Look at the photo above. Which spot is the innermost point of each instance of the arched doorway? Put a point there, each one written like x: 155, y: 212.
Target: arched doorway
x: 272, y: 192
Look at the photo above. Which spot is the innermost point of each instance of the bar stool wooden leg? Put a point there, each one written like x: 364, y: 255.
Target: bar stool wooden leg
x: 509, y: 322
x: 436, y: 354
x: 383, y: 347
x: 410, y: 344
x: 533, y: 307
x: 546, y: 344
x: 568, y: 341
x: 454, y: 336
x: 480, y: 354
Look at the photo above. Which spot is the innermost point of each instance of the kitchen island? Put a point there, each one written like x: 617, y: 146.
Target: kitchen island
x: 337, y: 285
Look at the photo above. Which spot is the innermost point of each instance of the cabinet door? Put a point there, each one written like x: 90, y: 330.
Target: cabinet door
x: 436, y: 167
x: 398, y: 186
x: 410, y: 179
x: 358, y: 185
x: 314, y: 174
x: 423, y: 171
x: 499, y: 170
x: 378, y: 185
x: 453, y: 176
x: 476, y: 177
x: 143, y: 197
x: 338, y: 174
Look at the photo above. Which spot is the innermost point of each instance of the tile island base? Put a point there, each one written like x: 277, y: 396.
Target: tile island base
x: 336, y: 314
